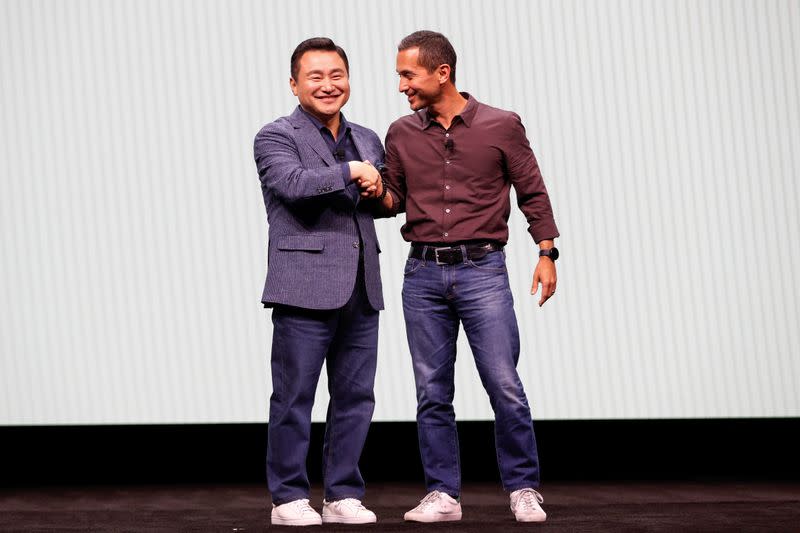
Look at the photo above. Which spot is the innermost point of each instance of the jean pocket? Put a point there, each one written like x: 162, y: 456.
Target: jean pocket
x: 412, y: 265
x: 491, y: 262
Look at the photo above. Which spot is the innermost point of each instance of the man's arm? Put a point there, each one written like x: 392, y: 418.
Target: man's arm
x: 387, y: 193
x: 534, y: 202
x: 392, y: 189
x: 282, y: 172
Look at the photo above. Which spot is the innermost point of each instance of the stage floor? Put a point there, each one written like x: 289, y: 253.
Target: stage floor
x: 594, y: 506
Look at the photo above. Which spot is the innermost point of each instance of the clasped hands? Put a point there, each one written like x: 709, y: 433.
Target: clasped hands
x: 367, y: 177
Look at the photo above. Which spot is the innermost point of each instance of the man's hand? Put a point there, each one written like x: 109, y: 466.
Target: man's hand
x: 545, y: 274
x: 367, y: 178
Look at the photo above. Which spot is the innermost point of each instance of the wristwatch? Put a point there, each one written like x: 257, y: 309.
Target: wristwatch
x: 552, y: 253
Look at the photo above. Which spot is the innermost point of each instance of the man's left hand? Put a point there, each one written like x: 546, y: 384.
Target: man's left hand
x: 545, y: 274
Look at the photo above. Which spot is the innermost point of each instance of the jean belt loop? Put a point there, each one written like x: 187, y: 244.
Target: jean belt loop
x: 464, y: 253
x: 424, y: 254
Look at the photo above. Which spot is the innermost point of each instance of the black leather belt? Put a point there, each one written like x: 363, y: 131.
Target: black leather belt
x: 450, y: 255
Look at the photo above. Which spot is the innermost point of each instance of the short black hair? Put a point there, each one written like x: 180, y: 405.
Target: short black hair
x: 316, y: 43
x: 434, y: 50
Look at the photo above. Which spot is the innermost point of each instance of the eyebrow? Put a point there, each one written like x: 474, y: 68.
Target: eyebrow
x: 337, y: 70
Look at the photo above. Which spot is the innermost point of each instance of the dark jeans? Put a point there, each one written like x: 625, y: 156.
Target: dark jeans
x: 436, y: 298
x: 346, y: 340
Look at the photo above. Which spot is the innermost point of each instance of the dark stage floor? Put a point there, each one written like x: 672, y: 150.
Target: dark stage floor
x: 618, y: 506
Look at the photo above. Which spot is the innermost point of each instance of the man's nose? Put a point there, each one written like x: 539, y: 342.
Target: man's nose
x: 403, y: 86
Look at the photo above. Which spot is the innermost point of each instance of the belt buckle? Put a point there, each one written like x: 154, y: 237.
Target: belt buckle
x: 436, y: 254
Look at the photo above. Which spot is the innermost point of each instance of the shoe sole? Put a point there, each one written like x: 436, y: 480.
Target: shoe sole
x: 294, y: 522
x: 428, y: 519
x: 347, y: 520
x: 533, y: 519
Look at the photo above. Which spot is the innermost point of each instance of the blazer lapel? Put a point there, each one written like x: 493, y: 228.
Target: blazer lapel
x: 307, y: 133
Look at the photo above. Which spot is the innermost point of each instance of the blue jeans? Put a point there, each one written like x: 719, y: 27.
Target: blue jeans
x: 346, y: 340
x: 436, y: 298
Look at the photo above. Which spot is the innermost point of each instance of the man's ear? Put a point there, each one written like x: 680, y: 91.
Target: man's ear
x: 293, y: 86
x: 443, y: 73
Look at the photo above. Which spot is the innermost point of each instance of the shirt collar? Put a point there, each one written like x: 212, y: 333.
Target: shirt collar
x: 344, y: 126
x: 467, y: 114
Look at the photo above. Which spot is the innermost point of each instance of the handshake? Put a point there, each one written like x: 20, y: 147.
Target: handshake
x: 368, y: 179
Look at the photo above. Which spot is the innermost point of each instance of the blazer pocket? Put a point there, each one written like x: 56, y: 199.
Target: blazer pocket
x: 300, y: 243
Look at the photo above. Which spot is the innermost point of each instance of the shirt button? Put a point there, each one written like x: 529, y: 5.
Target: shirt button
x: 445, y: 234
x: 447, y: 135
x: 448, y: 162
x: 355, y: 245
x: 447, y: 210
x: 447, y: 187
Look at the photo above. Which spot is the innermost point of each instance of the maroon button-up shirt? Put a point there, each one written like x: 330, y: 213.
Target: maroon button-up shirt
x: 454, y: 184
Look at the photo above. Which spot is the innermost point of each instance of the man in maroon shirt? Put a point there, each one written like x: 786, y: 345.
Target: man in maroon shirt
x: 450, y: 166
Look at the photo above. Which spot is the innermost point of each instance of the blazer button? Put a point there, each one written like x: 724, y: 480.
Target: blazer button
x: 355, y: 244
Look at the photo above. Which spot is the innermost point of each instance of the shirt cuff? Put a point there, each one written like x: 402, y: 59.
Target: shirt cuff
x: 544, y: 232
x: 350, y: 185
x: 346, y: 174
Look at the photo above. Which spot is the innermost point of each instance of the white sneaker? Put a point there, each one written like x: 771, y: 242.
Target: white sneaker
x: 435, y: 507
x: 525, y: 505
x: 346, y: 511
x: 295, y: 513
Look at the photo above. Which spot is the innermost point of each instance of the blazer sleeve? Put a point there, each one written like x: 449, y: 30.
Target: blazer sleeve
x: 282, y: 172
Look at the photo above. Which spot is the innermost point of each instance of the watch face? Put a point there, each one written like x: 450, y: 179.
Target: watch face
x: 552, y: 253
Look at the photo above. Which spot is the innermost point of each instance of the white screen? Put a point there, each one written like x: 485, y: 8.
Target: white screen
x: 133, y: 233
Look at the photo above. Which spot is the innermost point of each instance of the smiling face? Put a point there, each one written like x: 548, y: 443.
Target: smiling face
x: 322, y: 85
x: 422, y: 88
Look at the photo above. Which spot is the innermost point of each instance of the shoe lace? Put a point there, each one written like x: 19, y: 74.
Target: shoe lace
x: 352, y: 502
x: 430, y: 499
x: 529, y: 500
x: 302, y: 506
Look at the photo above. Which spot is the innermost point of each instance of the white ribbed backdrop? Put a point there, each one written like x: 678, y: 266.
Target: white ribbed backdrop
x: 133, y: 233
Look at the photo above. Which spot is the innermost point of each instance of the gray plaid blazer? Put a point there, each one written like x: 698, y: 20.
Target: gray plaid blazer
x: 314, y: 222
